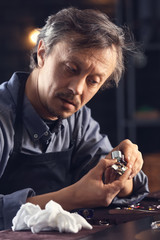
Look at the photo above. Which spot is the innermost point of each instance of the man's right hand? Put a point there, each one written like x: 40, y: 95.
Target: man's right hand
x: 89, y: 191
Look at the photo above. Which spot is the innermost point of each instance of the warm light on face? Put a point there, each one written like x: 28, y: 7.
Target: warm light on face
x: 33, y: 36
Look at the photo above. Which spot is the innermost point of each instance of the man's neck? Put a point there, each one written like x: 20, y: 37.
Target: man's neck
x: 31, y: 92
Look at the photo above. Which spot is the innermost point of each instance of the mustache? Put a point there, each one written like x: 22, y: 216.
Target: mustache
x: 70, y: 96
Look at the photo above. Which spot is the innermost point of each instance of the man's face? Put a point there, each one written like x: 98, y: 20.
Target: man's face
x: 68, y: 79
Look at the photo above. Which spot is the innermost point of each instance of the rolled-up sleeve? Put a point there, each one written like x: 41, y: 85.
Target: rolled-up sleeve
x: 10, y: 204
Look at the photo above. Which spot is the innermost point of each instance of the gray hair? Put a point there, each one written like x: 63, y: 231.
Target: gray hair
x: 86, y: 29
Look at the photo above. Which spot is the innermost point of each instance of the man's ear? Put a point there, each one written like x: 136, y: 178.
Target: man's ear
x: 41, y: 53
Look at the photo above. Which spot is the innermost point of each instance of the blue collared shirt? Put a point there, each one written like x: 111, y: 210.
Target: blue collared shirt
x: 38, y: 138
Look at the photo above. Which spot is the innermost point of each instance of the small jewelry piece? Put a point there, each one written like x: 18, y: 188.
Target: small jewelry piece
x: 120, y: 167
x: 155, y: 225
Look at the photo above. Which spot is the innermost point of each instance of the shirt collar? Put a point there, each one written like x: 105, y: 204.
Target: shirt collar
x: 33, y: 123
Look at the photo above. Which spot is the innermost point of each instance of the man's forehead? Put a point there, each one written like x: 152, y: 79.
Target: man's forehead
x: 80, y: 54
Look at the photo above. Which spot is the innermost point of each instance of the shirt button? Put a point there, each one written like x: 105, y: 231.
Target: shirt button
x: 35, y: 135
x: 46, y: 133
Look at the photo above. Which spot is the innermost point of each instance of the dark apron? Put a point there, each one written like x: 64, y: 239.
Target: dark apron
x: 43, y: 173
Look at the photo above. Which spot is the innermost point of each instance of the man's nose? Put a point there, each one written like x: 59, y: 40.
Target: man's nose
x: 77, y: 85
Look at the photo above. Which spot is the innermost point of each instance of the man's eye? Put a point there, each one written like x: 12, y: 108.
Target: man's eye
x: 93, y: 82
x: 71, y: 69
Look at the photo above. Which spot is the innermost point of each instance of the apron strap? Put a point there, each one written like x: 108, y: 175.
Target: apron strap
x: 18, y: 126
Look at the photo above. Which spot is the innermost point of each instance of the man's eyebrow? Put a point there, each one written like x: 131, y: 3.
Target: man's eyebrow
x: 78, y: 63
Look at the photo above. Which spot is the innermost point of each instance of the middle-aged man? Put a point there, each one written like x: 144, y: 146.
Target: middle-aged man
x: 50, y: 147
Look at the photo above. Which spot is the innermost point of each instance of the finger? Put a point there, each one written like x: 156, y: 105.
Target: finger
x: 115, y: 187
x: 137, y: 165
x: 131, y: 155
x: 112, y: 190
x: 108, y: 156
x: 119, y: 184
x: 110, y: 175
x: 126, y: 175
x: 130, y: 151
x: 113, y: 175
x: 107, y: 176
x: 103, y: 164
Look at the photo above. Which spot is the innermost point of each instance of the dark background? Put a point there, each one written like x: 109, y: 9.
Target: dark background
x: 18, y: 18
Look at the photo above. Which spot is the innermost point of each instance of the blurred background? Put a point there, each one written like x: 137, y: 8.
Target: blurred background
x: 131, y: 111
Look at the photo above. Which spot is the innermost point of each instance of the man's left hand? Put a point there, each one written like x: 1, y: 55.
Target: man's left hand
x: 132, y: 156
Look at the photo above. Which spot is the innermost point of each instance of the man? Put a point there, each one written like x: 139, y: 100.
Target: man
x: 50, y: 146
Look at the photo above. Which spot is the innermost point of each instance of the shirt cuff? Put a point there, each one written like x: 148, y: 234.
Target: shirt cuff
x: 12, y: 203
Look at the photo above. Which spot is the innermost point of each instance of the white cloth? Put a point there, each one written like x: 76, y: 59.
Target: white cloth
x: 53, y: 217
